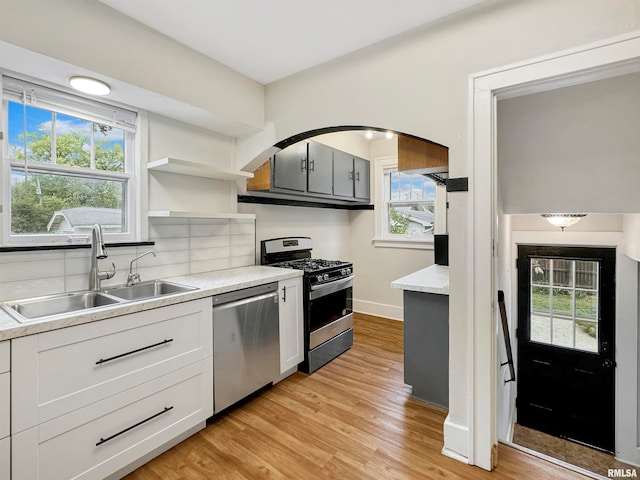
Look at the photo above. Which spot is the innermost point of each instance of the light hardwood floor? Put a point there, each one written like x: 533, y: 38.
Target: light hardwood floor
x: 352, y: 419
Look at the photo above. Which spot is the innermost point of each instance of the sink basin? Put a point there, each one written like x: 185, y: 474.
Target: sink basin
x: 156, y: 288
x: 31, y: 309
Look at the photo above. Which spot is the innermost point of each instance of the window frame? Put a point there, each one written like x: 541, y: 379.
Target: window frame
x: 384, y: 166
x: 131, y: 175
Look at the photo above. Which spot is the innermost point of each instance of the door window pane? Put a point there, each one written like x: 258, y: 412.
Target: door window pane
x: 562, y: 332
x: 587, y: 305
x: 587, y: 336
x: 587, y: 275
x: 563, y: 272
x: 540, y: 329
x: 540, y: 271
x: 564, y: 303
x: 540, y: 299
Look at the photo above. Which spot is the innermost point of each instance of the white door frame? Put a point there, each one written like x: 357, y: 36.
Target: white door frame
x: 604, y: 59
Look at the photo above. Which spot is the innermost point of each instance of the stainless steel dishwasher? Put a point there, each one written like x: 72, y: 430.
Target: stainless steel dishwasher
x: 246, y: 343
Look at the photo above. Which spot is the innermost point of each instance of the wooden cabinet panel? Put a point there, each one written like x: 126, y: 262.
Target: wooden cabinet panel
x: 103, y: 437
x: 57, y: 372
x: 420, y: 156
x: 291, y: 324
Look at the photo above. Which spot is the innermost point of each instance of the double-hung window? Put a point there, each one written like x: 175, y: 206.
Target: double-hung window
x: 408, y: 206
x: 68, y: 163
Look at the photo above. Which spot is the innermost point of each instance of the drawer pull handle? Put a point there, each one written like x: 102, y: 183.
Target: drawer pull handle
x: 105, y: 440
x: 115, y: 357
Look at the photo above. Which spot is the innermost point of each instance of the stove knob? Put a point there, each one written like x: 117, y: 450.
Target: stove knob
x: 319, y: 278
x: 325, y: 276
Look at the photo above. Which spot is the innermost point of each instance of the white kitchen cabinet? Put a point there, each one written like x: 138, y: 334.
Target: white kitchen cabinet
x: 291, y: 323
x: 106, y: 436
x: 57, y: 372
x: 90, y: 400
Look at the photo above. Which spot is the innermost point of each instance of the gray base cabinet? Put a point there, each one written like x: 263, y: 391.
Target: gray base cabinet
x: 426, y: 346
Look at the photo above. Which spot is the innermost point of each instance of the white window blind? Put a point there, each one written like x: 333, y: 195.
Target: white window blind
x: 46, y: 98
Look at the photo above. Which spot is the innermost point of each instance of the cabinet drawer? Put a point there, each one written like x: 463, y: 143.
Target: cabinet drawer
x: 4, y: 357
x: 60, y: 371
x: 104, y: 437
x: 5, y: 458
x: 5, y: 397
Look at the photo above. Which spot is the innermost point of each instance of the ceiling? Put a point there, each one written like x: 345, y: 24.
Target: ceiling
x: 270, y: 39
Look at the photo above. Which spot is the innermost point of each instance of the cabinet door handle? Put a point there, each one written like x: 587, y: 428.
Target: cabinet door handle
x: 350, y: 174
x: 357, y: 176
x: 105, y: 360
x: 303, y: 164
x: 111, y: 437
x: 284, y: 293
x: 312, y: 165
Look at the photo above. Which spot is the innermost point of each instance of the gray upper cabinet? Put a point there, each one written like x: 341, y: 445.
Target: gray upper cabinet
x: 290, y: 168
x: 342, y: 174
x: 362, y: 184
x: 320, y: 169
x: 312, y: 169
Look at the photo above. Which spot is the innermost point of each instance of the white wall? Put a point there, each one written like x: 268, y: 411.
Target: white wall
x: 92, y: 36
x: 572, y: 150
x: 167, y: 191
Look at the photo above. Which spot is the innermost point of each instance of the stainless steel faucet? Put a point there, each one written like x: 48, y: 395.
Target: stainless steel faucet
x: 134, y: 278
x: 98, y: 252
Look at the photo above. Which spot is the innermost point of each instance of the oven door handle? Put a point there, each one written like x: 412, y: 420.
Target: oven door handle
x: 331, y: 287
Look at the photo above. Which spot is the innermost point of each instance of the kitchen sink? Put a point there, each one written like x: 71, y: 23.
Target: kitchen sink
x: 155, y: 288
x: 31, y: 309
x: 37, y: 308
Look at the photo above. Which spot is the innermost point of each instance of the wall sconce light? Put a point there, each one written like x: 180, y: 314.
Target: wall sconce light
x: 563, y: 220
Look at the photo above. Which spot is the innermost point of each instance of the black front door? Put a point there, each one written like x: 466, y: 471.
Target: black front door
x: 566, y: 360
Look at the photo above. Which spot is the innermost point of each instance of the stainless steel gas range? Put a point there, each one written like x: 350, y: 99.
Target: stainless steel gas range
x: 328, y: 298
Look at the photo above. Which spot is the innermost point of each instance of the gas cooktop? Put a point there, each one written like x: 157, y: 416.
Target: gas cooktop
x: 311, y: 265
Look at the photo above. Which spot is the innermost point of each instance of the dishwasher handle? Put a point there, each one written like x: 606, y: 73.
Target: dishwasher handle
x: 246, y: 301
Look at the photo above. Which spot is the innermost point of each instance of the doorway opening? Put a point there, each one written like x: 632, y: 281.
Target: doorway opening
x: 565, y: 403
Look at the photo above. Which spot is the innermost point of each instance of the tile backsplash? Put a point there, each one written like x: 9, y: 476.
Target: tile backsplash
x: 182, y: 246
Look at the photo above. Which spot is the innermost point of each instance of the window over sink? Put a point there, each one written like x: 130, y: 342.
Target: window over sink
x: 68, y: 163
x: 408, y: 207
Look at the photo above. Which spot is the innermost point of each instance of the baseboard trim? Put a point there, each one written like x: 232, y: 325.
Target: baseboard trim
x: 456, y: 441
x: 378, y: 309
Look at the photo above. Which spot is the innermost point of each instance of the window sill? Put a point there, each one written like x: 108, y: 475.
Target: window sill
x: 411, y: 243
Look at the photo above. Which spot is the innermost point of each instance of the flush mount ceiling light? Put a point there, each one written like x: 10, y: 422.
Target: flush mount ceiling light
x: 388, y: 135
x: 563, y: 220
x: 89, y: 85
x: 368, y: 134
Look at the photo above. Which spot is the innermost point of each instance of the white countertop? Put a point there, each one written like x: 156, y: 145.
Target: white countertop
x: 208, y: 284
x: 433, y: 279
